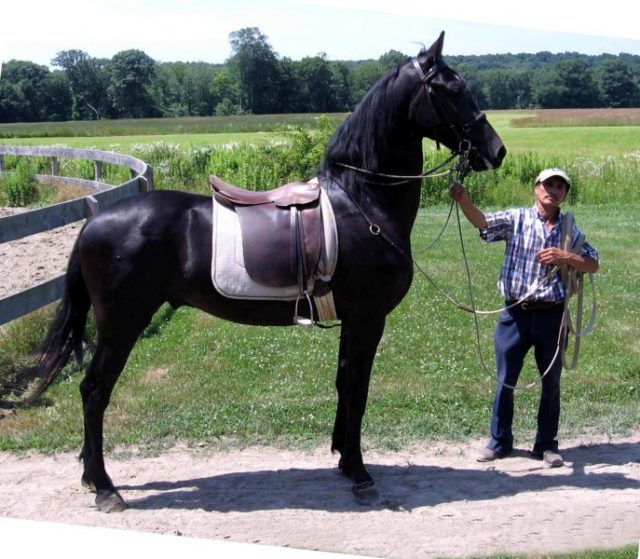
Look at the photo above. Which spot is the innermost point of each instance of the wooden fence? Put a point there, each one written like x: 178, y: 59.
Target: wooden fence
x: 28, y: 223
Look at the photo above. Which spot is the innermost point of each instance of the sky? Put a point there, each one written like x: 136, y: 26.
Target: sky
x: 198, y: 30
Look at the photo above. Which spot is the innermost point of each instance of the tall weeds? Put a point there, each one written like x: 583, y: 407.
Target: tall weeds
x: 260, y: 166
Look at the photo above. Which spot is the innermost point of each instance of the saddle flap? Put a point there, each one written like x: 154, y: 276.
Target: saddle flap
x: 278, y: 243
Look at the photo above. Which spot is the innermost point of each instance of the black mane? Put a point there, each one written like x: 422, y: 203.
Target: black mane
x: 362, y: 141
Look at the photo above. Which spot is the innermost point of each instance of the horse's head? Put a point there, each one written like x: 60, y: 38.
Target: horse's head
x: 446, y: 112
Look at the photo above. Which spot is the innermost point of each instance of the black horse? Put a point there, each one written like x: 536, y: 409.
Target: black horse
x: 156, y: 248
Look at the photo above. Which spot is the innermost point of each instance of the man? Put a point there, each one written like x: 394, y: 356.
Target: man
x: 533, y: 240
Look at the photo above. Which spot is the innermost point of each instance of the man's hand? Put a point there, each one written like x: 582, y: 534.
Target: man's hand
x: 554, y: 256
x: 471, y: 212
x: 457, y: 191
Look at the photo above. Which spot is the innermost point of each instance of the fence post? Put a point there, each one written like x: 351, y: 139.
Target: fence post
x: 92, y: 205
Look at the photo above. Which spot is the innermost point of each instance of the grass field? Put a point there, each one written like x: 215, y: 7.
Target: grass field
x: 588, y: 134
x: 197, y: 378
x: 159, y: 126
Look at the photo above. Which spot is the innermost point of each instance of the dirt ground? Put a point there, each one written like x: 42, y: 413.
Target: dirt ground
x: 434, y: 502
x: 36, y: 258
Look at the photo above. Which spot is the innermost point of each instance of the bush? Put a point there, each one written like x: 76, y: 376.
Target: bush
x: 20, y: 188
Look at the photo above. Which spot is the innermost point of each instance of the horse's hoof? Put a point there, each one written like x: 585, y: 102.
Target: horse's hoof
x: 110, y: 501
x: 366, y: 494
x: 88, y: 485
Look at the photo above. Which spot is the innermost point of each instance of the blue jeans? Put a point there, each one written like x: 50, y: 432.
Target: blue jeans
x: 516, y: 332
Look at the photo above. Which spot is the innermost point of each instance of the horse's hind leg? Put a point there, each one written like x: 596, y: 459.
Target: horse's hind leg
x: 115, y: 342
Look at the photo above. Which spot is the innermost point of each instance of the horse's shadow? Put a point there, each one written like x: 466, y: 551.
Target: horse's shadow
x: 407, y: 487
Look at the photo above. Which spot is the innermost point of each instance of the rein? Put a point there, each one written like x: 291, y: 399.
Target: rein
x: 405, y: 178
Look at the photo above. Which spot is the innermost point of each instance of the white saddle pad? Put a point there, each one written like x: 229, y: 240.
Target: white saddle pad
x: 228, y: 271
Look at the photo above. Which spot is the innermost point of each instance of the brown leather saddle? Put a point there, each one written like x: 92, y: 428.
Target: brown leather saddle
x: 282, y: 231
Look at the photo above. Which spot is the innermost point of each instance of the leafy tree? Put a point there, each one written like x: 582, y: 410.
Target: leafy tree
x: 165, y: 91
x: 567, y: 84
x: 520, y: 85
x: 391, y: 59
x: 130, y: 76
x: 547, y: 89
x: 254, y: 79
x: 183, y: 89
x: 578, y: 82
x: 257, y: 68
x: 616, y: 84
x: 472, y: 78
x: 88, y: 79
x: 11, y: 102
x: 496, y: 89
x: 506, y: 89
x: 314, y: 80
x: 363, y: 76
x: 23, y: 95
x: 226, y: 93
x: 59, y: 101
x: 341, y: 87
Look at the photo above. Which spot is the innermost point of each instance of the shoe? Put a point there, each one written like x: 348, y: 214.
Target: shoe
x: 489, y: 455
x: 551, y: 458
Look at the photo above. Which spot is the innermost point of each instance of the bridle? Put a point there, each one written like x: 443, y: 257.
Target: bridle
x: 445, y: 110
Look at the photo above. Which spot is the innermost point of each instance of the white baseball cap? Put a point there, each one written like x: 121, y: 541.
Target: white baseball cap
x: 553, y: 172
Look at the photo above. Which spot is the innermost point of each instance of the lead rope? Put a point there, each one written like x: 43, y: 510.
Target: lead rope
x: 574, y: 284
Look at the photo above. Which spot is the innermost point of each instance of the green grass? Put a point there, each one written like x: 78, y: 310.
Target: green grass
x: 159, y: 126
x: 629, y: 552
x: 128, y: 144
x: 194, y: 377
x: 120, y: 135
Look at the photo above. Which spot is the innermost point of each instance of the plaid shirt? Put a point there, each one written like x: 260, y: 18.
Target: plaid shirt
x: 525, y: 234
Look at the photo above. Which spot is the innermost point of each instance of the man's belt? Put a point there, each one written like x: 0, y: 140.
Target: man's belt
x: 535, y: 305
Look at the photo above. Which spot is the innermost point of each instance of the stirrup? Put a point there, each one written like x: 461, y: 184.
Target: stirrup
x: 303, y: 320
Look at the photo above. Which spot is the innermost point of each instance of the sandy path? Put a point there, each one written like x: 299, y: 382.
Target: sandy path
x: 36, y: 258
x: 445, y: 503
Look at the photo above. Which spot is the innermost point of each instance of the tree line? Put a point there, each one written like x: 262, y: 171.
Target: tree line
x: 255, y: 80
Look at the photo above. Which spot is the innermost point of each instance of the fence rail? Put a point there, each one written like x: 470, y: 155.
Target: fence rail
x: 43, y: 219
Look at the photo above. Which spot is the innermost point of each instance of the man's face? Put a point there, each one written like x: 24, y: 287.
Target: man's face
x: 551, y: 192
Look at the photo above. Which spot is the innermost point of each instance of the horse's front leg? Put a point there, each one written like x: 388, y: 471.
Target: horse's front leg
x: 337, y: 439
x: 358, y: 344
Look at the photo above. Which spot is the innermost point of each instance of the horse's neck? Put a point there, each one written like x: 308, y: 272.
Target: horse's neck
x: 401, y: 201
x: 396, y: 203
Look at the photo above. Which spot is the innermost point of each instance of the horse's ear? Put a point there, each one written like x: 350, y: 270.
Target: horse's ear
x: 435, y: 50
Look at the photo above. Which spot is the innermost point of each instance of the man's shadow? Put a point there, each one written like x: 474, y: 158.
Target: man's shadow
x: 409, y: 486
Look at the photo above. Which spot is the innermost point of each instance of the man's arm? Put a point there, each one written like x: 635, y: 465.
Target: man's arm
x: 555, y: 256
x: 470, y: 210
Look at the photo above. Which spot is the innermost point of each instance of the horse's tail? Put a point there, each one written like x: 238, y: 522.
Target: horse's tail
x: 65, y: 333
